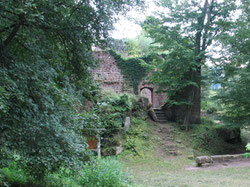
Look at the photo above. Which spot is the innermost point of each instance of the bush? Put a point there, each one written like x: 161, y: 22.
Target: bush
x: 211, y: 110
x: 103, y: 172
x: 39, y: 117
x: 64, y: 177
x: 213, y: 138
x: 137, y: 139
x: 112, y: 110
x: 14, y: 175
x: 247, y: 155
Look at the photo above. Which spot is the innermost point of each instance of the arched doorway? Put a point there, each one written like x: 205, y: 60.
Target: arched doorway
x: 148, y: 93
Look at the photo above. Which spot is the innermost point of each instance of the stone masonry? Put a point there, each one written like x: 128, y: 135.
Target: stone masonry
x: 109, y: 75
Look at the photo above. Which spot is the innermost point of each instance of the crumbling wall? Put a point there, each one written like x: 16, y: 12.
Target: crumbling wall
x: 108, y: 73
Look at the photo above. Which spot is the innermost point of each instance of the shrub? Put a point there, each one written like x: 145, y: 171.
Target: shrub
x: 64, y: 177
x: 14, y: 175
x: 103, y: 172
x: 211, y: 110
x: 214, y: 138
x: 137, y: 139
x: 247, y: 155
x: 112, y: 110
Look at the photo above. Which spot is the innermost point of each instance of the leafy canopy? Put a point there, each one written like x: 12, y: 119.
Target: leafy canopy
x: 45, y: 52
x: 184, y: 31
x: 235, y: 69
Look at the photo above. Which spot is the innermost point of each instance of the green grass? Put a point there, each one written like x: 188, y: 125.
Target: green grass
x: 155, y: 170
x: 172, y: 173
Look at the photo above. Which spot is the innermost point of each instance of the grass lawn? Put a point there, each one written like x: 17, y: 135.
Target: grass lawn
x: 155, y: 169
x: 153, y: 172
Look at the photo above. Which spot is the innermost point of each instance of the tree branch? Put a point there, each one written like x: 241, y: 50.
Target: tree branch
x: 7, y: 28
x: 75, y: 8
x: 12, y: 34
x: 201, y: 20
x: 207, y: 26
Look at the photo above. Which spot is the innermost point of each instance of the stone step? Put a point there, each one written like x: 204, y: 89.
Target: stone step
x: 174, y: 153
x: 162, y: 121
x: 169, y: 139
x: 163, y: 115
x: 171, y: 148
x: 159, y: 112
x: 157, y: 109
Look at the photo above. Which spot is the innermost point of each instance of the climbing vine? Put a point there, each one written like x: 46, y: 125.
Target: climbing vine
x: 132, y: 68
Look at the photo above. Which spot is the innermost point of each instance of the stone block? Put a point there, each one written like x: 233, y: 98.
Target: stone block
x: 206, y: 165
x: 217, y: 158
x: 119, y: 150
x: 127, y: 123
x: 203, y: 159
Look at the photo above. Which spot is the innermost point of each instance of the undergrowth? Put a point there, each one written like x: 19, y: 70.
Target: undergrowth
x: 107, y: 172
x: 213, y: 138
x: 139, y: 139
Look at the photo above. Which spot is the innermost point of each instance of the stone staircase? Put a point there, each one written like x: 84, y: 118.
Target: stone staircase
x: 160, y: 115
x: 168, y: 143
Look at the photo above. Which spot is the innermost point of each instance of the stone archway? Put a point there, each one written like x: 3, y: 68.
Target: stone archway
x: 148, y: 93
x: 157, y: 99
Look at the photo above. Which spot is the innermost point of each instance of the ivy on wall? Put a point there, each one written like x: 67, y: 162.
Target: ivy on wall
x: 132, y: 68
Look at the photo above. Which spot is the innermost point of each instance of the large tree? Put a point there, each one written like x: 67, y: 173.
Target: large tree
x: 235, y: 69
x: 45, y: 52
x: 185, y: 31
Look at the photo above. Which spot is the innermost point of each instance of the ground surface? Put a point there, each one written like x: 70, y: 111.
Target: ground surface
x: 170, y: 163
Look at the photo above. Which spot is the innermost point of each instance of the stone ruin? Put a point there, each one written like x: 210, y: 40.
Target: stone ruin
x: 108, y: 73
x: 110, y: 77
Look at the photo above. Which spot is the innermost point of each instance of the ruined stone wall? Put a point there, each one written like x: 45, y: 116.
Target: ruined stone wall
x: 158, y: 99
x: 108, y: 73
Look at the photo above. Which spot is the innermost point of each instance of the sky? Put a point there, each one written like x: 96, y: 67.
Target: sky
x: 128, y: 27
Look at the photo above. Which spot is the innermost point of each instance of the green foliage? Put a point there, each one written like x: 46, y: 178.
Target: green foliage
x: 40, y: 121
x: 45, y: 52
x: 132, y: 68
x: 63, y: 177
x: 14, y: 175
x: 140, y: 46
x: 234, y: 96
x: 109, y: 113
x: 214, y: 138
x: 112, y: 109
x: 184, y: 31
x: 210, y: 104
x: 235, y: 69
x: 137, y: 138
x: 247, y: 149
x: 172, y: 75
x: 103, y: 172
